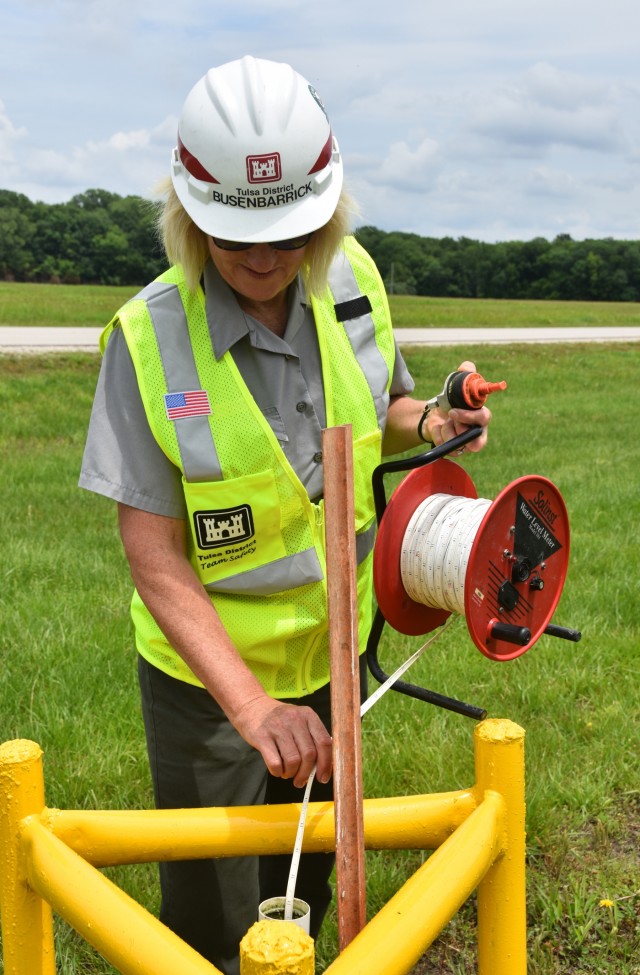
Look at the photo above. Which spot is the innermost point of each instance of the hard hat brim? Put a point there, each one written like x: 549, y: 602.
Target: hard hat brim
x: 265, y: 216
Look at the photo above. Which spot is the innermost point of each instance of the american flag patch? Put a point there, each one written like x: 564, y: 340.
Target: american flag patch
x: 195, y: 402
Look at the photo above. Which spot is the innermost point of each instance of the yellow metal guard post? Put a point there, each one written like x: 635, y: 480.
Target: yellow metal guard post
x: 27, y: 920
x: 396, y: 938
x: 119, y: 928
x: 109, y: 838
x: 477, y: 834
x: 502, y: 906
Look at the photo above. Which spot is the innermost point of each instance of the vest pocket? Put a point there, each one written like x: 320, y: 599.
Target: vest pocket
x: 235, y: 525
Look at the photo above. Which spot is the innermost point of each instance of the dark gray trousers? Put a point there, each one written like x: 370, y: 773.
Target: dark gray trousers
x: 198, y: 759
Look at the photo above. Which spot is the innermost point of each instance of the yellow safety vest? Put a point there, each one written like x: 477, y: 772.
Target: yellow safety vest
x: 257, y: 541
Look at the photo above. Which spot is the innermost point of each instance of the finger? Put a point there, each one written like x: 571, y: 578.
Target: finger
x: 470, y: 418
x: 473, y: 446
x: 463, y: 419
x: 437, y: 421
x: 272, y: 758
x: 324, y: 756
x: 467, y: 366
x: 298, y: 758
x: 301, y: 741
x: 315, y: 748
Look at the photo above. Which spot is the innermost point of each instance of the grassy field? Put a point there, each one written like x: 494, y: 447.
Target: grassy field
x: 77, y: 305
x: 68, y: 666
x: 416, y: 312
x: 60, y: 305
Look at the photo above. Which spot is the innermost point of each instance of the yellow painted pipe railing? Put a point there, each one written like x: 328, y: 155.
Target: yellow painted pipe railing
x: 48, y: 859
x: 109, y: 838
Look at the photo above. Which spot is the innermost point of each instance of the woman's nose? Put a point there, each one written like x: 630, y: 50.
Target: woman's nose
x: 261, y: 257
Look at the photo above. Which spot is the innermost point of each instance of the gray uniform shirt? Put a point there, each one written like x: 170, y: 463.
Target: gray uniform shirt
x: 122, y: 459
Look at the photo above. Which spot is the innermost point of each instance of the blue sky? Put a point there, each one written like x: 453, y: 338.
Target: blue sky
x: 500, y: 120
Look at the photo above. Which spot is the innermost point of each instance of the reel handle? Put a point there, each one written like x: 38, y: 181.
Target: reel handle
x: 411, y: 463
x: 563, y: 633
x: 520, y: 636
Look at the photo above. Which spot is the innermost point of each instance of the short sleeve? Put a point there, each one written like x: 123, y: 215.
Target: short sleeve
x: 122, y: 459
x: 401, y: 381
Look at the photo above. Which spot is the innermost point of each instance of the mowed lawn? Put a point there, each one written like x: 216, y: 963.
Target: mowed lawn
x: 93, y: 305
x: 68, y: 681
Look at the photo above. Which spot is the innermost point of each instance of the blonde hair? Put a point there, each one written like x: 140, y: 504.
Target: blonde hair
x: 186, y: 244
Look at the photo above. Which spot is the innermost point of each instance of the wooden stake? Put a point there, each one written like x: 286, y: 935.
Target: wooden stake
x: 337, y: 454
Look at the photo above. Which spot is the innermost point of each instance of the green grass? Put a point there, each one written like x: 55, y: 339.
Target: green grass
x: 68, y: 666
x: 65, y: 305
x: 416, y: 312
x: 60, y: 305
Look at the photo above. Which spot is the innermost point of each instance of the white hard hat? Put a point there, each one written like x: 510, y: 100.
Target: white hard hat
x: 256, y: 159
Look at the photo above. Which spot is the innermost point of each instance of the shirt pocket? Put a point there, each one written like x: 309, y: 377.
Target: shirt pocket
x: 276, y: 423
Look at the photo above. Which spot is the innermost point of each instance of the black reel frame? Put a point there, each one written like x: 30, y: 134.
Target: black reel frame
x: 380, y: 500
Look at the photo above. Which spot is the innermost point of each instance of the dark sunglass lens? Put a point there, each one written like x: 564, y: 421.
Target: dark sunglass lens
x: 231, y: 245
x: 293, y: 243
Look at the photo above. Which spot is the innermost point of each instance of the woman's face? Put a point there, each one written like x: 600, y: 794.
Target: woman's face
x: 259, y: 273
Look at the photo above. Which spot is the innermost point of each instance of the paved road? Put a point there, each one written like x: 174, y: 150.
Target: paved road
x: 508, y: 336
x: 36, y: 339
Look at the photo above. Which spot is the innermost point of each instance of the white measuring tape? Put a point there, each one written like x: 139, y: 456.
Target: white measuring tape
x: 436, y: 548
x: 373, y: 699
x: 297, y: 850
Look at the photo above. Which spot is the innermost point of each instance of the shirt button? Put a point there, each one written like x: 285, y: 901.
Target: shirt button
x: 301, y: 407
x: 318, y: 457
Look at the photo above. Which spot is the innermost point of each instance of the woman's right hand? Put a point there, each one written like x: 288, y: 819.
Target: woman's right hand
x: 291, y: 738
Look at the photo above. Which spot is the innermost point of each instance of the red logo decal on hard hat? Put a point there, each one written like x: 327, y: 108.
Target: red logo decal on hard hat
x: 264, y: 169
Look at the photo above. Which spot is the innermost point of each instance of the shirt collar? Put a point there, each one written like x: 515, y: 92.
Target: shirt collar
x: 228, y: 324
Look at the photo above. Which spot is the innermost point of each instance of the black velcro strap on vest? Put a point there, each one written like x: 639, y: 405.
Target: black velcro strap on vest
x: 354, y: 308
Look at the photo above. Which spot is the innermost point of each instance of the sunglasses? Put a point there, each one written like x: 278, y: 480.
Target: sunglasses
x: 292, y: 244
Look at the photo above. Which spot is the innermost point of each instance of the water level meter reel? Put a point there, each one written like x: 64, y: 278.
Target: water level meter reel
x: 440, y: 550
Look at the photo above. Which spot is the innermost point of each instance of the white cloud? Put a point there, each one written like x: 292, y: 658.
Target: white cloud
x: 547, y: 108
x: 10, y: 135
x: 410, y: 170
x: 491, y: 120
x: 562, y: 90
x: 551, y: 183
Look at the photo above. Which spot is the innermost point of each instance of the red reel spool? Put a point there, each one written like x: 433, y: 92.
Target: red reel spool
x: 397, y: 607
x: 517, y: 564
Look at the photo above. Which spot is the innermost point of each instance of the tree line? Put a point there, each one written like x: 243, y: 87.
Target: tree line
x: 99, y: 237
x: 96, y: 238
x: 561, y: 269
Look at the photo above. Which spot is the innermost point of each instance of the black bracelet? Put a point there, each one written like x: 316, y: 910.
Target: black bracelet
x: 425, y: 414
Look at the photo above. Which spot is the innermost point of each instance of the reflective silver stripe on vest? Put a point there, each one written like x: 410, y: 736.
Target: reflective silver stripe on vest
x: 200, y: 460
x: 361, y: 334
x: 364, y: 542
x: 290, y: 572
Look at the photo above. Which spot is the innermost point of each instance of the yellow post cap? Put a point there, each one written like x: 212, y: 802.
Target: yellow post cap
x: 276, y: 948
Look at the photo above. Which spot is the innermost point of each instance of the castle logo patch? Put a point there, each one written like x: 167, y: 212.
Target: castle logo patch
x: 264, y: 169
x: 227, y: 526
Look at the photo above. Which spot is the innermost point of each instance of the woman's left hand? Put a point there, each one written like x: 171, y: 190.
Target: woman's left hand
x: 443, y: 426
x: 401, y: 432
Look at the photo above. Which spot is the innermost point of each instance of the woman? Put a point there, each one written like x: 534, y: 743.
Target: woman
x: 216, y: 383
